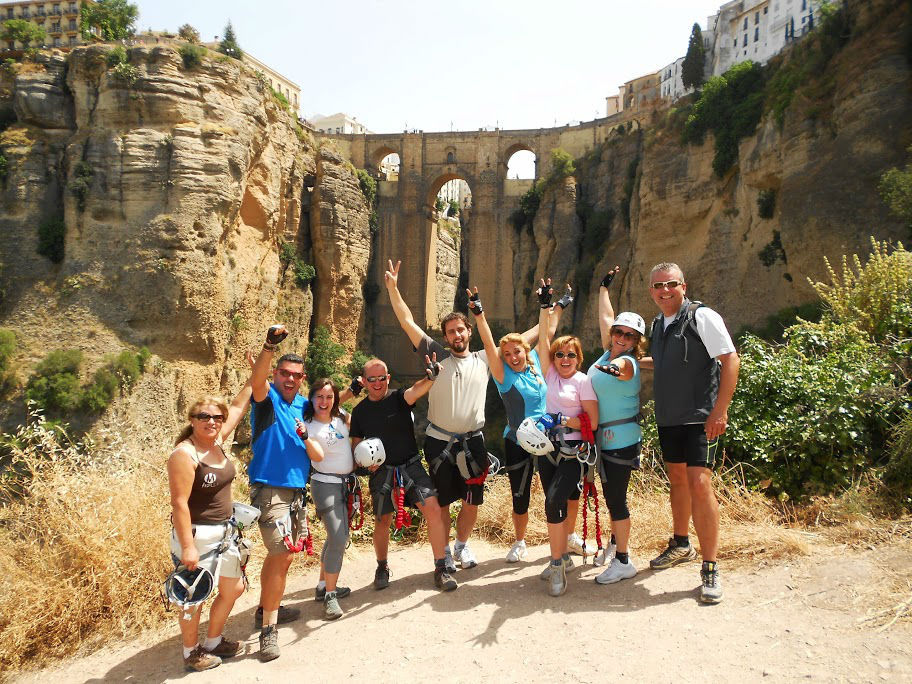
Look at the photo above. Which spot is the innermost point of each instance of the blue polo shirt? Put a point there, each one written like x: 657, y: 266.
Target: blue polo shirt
x: 523, y: 394
x: 279, y: 455
x: 617, y: 399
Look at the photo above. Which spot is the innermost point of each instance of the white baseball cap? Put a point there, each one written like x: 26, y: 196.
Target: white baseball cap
x: 631, y: 320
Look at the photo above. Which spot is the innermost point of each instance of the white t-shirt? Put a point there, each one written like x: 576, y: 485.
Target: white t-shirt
x: 712, y: 331
x: 337, y: 451
x: 456, y: 400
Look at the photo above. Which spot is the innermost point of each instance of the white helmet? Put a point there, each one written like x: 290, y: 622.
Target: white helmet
x: 244, y: 515
x: 532, y: 439
x: 189, y: 588
x: 370, y: 452
x: 631, y: 320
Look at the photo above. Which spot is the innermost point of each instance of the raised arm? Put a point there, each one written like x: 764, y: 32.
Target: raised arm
x: 400, y: 308
x: 259, y: 375
x: 238, y: 407
x: 495, y: 363
x: 545, y: 314
x: 605, y: 310
x: 418, y: 390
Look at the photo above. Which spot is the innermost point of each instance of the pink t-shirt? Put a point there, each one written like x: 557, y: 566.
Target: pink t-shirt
x: 567, y: 395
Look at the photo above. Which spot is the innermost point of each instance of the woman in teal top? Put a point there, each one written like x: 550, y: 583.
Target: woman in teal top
x: 616, y: 381
x: 517, y: 373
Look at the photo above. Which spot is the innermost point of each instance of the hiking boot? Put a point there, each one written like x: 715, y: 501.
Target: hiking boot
x: 199, y: 660
x: 616, y: 572
x: 517, y: 552
x: 225, y: 648
x: 341, y: 592
x: 448, y: 560
x: 466, y: 558
x: 546, y: 573
x: 711, y: 591
x: 269, y: 643
x: 604, y: 556
x: 557, y: 580
x: 331, y: 608
x: 443, y: 580
x: 381, y: 577
x: 575, y: 544
x: 673, y: 555
x: 285, y: 615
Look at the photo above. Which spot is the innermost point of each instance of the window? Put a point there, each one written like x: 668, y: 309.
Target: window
x: 73, y: 7
x: 745, y: 22
x: 804, y: 5
x: 766, y: 9
x: 72, y: 24
x: 9, y: 12
x: 11, y: 44
x: 451, y: 158
x: 57, y: 41
x: 745, y: 40
x: 55, y: 27
x: 72, y: 41
x: 756, y: 34
x: 756, y: 18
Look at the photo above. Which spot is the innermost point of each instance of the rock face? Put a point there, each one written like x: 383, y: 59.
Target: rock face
x: 448, y: 244
x: 177, y: 191
x: 823, y: 164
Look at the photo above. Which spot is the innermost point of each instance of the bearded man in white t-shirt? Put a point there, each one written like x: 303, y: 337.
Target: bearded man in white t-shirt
x: 695, y: 373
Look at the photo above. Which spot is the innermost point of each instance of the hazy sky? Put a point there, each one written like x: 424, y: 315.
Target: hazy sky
x: 439, y: 65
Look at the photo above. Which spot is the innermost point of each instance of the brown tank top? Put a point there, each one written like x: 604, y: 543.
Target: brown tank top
x: 210, y: 499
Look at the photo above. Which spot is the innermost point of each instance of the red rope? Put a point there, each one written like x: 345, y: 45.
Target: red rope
x: 354, y: 505
x: 403, y: 517
x: 589, y: 488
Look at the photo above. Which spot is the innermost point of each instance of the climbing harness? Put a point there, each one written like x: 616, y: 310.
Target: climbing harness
x: 353, y: 502
x: 293, y: 526
x: 471, y: 471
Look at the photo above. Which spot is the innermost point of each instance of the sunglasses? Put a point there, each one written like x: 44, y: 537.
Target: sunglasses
x: 290, y: 374
x: 377, y: 378
x: 626, y: 335
x: 206, y: 417
x: 569, y: 355
x: 670, y: 284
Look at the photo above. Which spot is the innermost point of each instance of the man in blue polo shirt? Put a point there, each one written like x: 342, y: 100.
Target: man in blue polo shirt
x: 278, y: 475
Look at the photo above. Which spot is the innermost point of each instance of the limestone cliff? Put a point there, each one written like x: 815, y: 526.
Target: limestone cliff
x: 177, y: 189
x: 823, y: 164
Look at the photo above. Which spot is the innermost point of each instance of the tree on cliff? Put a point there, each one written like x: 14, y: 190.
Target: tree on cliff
x: 692, y: 68
x: 896, y: 190
x: 22, y: 31
x: 229, y: 45
x: 189, y: 33
x: 114, y: 19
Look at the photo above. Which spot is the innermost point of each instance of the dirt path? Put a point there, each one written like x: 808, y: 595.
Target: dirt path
x: 798, y: 620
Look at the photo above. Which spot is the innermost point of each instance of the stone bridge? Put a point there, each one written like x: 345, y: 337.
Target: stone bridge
x: 409, y: 227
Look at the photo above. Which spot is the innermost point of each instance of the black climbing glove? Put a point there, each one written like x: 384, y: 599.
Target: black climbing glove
x: 432, y: 368
x: 565, y: 300
x: 544, y: 296
x: 356, y: 386
x: 274, y: 335
x: 611, y: 369
x: 606, y: 281
x: 475, y: 305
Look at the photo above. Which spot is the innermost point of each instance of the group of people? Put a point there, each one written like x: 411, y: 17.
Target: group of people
x: 564, y: 423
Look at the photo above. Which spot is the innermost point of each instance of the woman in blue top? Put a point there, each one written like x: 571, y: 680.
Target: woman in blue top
x: 616, y: 381
x: 517, y: 373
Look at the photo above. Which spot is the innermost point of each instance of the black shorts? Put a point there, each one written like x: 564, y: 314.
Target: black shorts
x: 449, y: 482
x: 687, y: 444
x: 416, y: 479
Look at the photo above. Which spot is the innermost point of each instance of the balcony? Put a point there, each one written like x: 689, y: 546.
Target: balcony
x: 40, y: 12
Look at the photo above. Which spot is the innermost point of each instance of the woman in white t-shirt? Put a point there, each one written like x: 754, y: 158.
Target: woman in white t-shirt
x: 329, y: 487
x: 569, y: 394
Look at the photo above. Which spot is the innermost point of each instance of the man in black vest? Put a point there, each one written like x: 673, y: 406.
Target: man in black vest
x: 695, y: 373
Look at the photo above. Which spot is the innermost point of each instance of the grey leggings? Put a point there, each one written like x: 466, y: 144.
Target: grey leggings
x: 330, y: 501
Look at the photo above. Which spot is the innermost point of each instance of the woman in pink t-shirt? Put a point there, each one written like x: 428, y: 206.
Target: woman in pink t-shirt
x: 569, y: 393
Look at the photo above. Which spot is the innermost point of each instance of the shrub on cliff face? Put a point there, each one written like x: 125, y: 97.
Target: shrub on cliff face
x: 80, y: 183
x: 896, y: 189
x: 323, y: 356
x: 189, y: 33
x: 192, y: 55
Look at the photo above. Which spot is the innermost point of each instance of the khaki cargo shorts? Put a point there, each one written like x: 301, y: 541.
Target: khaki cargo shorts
x: 274, y: 504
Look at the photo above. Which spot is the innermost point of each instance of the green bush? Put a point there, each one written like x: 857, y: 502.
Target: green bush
x: 323, y: 356
x: 898, y: 472
x: 368, y: 187
x: 54, y: 386
x: 810, y: 415
x: 528, y: 207
x: 125, y: 72
x: 281, y: 99
x: 304, y: 273
x: 562, y: 165
x: 192, y: 55
x: 81, y: 183
x: 453, y: 208
x: 287, y: 253
x: 4, y: 168
x: 118, y: 55
x: 773, y: 251
x: 8, y: 379
x: 99, y: 394
x: 766, y: 203
x: 354, y: 367
x: 52, y: 239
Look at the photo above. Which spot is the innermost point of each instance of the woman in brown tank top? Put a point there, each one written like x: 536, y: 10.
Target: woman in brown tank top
x: 200, y: 476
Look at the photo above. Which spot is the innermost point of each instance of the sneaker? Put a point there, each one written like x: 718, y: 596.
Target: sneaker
x: 444, y: 580
x: 466, y: 558
x: 673, y: 555
x: 517, y: 552
x: 711, y: 591
x: 381, y: 577
x: 604, y: 556
x: 546, y: 573
x: 616, y: 572
x: 448, y: 560
x: 341, y: 592
x: 331, y: 608
x: 285, y: 615
x: 557, y: 580
x: 575, y: 544
x: 226, y: 648
x: 269, y: 643
x: 199, y: 660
